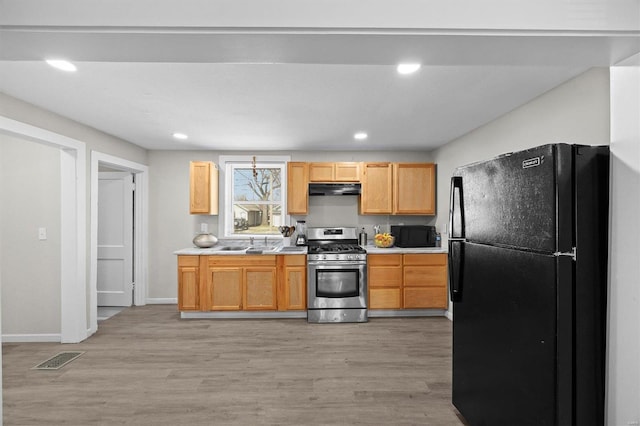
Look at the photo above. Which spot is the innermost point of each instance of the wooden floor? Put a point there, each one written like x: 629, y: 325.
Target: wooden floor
x: 146, y: 366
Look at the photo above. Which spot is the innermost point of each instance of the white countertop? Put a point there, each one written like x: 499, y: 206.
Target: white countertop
x: 216, y: 250
x: 371, y: 249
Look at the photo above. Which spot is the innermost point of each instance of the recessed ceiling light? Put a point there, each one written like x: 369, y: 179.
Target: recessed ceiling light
x: 61, y: 64
x: 408, y: 68
x: 180, y: 136
x: 360, y: 136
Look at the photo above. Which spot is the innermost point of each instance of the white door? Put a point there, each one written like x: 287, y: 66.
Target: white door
x: 115, y: 239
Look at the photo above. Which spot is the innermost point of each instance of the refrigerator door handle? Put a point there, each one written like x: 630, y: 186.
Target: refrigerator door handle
x: 456, y: 210
x: 456, y: 266
x: 456, y: 239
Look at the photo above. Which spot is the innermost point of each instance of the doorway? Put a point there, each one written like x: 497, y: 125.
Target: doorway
x: 116, y: 210
x: 118, y: 233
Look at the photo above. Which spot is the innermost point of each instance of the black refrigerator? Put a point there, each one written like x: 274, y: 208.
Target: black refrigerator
x: 528, y: 280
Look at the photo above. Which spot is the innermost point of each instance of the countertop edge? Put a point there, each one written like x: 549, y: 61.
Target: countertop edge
x: 195, y: 251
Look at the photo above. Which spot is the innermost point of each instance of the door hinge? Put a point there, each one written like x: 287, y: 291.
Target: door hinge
x: 571, y: 254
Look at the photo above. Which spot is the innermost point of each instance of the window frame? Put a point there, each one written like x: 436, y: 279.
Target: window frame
x: 228, y: 163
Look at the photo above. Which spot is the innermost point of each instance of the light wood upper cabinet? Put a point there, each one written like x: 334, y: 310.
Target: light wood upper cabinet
x: 334, y: 172
x: 203, y: 187
x: 377, y: 187
x: 297, y: 188
x: 414, y: 188
x: 398, y: 188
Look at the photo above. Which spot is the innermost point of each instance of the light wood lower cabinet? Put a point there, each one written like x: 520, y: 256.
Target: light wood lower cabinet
x: 188, y: 283
x: 292, y: 283
x: 385, y: 281
x: 245, y: 282
x: 425, y: 281
x: 223, y: 291
x: 407, y: 281
x: 259, y: 292
x: 234, y: 283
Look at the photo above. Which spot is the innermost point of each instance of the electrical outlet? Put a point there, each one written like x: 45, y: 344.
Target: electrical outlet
x: 42, y: 233
x: 204, y: 228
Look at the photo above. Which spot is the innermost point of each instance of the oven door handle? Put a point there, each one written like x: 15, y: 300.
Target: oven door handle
x: 334, y: 264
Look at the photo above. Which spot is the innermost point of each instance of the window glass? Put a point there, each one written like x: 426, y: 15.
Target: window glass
x: 256, y: 204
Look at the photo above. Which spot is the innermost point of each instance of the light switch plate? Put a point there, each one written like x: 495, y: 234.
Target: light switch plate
x: 204, y: 228
x: 42, y: 233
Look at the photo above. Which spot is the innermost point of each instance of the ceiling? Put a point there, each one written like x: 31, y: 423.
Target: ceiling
x: 292, y: 89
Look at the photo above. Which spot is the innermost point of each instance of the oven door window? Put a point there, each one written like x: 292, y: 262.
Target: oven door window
x: 337, y: 283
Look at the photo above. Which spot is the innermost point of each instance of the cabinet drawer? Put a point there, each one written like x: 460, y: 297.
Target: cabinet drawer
x: 384, y: 259
x: 243, y: 260
x: 381, y: 276
x: 425, y: 276
x: 294, y: 260
x: 385, y: 298
x: 425, y: 297
x: 425, y: 259
x: 188, y: 260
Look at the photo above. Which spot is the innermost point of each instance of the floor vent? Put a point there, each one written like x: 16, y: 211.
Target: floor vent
x: 58, y: 361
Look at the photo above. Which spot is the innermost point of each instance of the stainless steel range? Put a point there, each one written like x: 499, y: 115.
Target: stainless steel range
x: 336, y: 276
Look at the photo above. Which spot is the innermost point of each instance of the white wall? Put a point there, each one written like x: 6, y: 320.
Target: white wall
x: 173, y: 228
x: 574, y: 112
x: 21, y: 111
x: 30, y: 193
x: 623, y: 382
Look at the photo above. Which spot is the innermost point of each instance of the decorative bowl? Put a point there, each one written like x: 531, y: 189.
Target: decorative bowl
x: 383, y: 240
x: 205, y: 240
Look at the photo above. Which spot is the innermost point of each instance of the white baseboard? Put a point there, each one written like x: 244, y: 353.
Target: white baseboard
x: 449, y: 315
x: 162, y: 301
x: 31, y: 338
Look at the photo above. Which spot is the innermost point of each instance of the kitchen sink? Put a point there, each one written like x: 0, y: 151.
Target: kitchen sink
x: 233, y: 248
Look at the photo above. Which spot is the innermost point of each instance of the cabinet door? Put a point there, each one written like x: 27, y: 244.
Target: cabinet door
x: 321, y: 172
x: 385, y: 281
x: 347, y: 172
x: 414, y: 188
x: 203, y: 187
x: 425, y: 281
x: 295, y: 286
x: 259, y: 288
x: 376, y: 195
x: 226, y: 289
x: 292, y: 282
x: 188, y: 283
x: 297, y: 188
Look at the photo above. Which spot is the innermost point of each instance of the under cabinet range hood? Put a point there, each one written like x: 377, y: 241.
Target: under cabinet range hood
x: 334, y: 189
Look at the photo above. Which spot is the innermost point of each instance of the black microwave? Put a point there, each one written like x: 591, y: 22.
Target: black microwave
x: 414, y: 235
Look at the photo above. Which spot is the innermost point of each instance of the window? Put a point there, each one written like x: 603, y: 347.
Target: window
x: 255, y: 194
